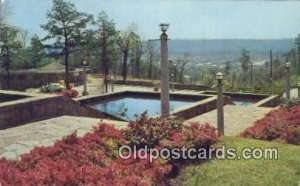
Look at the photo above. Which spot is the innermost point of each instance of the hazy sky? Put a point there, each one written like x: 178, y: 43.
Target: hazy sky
x: 189, y: 19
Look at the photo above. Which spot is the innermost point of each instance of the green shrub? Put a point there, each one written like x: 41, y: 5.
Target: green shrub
x: 51, y: 88
x: 287, y: 103
x: 149, y: 131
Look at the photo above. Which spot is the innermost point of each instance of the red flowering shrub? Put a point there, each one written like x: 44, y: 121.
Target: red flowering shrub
x: 282, y: 124
x: 149, y: 131
x: 93, y: 159
x: 169, y: 133
x: 194, y: 135
x: 70, y: 93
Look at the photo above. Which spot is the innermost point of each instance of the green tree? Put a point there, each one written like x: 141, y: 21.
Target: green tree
x: 151, y: 54
x: 67, y: 26
x: 182, y: 69
x: 9, y: 47
x: 297, y: 53
x: 127, y: 42
x: 138, y: 52
x: 36, y: 51
x: 227, y: 68
x: 4, y: 12
x: 107, y: 44
x: 245, y: 62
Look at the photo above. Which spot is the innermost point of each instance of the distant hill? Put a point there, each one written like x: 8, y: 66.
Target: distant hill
x: 229, y: 46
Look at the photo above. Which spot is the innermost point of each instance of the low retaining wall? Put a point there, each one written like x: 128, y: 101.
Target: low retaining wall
x: 151, y: 84
x: 23, y: 81
x: 33, y: 109
x: 271, y: 101
x: 240, y: 95
x: 202, y: 104
x: 196, y: 109
x: 261, y: 100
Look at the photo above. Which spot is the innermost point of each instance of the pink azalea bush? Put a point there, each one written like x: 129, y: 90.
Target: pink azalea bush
x: 282, y: 124
x: 94, y: 160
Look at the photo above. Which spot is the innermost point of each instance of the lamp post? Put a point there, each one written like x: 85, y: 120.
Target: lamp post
x: 287, y: 65
x: 172, y: 76
x: 220, y: 103
x: 165, y: 93
x: 298, y: 86
x: 84, y: 64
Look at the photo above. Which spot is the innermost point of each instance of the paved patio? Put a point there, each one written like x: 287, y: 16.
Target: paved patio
x: 236, y: 118
x: 18, y: 140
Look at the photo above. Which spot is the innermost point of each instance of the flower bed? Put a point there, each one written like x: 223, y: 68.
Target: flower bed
x: 282, y: 124
x: 59, y: 90
x: 93, y: 159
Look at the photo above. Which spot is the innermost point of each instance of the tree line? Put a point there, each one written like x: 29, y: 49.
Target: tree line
x: 73, y: 36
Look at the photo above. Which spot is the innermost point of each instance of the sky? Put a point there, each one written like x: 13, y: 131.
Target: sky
x: 188, y: 19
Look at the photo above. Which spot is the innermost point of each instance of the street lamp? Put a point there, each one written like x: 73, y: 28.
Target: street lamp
x: 287, y: 65
x: 84, y: 64
x: 165, y: 93
x: 220, y: 103
x: 164, y: 27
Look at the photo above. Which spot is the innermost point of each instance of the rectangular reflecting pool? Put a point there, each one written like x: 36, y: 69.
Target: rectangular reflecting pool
x: 135, y: 105
x: 242, y: 99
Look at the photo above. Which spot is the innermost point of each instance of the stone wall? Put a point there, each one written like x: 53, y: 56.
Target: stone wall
x: 201, y: 107
x: 22, y: 81
x: 271, y: 101
x: 202, y: 104
x: 32, y: 109
x: 261, y: 100
x: 151, y: 84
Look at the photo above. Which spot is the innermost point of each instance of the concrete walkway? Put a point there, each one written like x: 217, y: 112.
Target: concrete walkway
x: 236, y: 118
x: 18, y: 140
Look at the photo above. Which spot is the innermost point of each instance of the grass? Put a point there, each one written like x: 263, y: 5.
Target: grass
x: 283, y: 171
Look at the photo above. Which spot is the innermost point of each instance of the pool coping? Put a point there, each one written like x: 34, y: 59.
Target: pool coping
x: 265, y: 100
x: 26, y: 97
x: 206, y: 104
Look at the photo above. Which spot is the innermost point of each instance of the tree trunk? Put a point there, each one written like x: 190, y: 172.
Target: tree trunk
x: 8, y: 69
x: 105, y: 73
x: 104, y: 59
x: 132, y: 67
x: 137, y: 67
x: 67, y: 82
x: 124, y: 69
x: 271, y: 66
x: 150, y: 67
x: 298, y: 64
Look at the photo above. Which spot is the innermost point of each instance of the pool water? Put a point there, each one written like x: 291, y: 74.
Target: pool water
x: 136, y: 105
x: 243, y: 102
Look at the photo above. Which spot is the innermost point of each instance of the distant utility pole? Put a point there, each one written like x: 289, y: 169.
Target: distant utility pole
x: 251, y: 73
x: 287, y: 65
x: 271, y: 66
